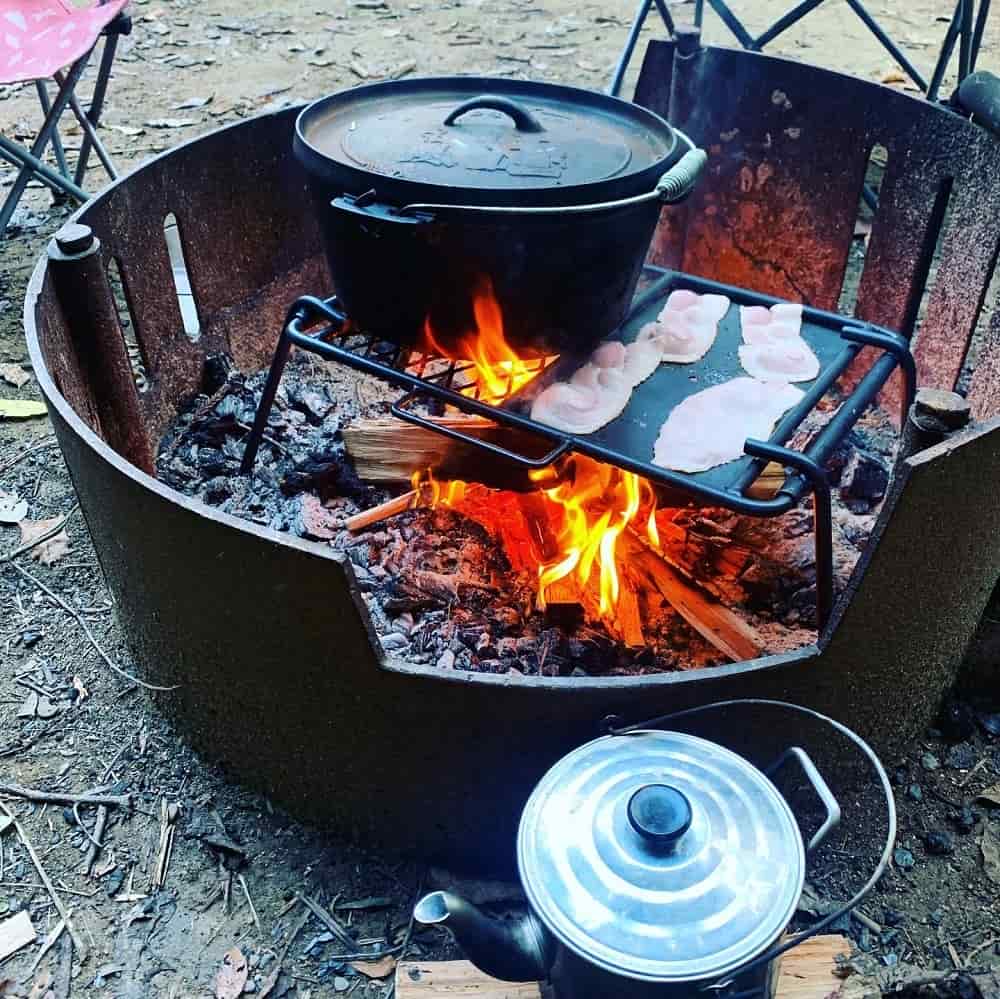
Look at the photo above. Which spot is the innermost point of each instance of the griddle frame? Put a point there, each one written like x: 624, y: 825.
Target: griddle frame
x: 314, y: 324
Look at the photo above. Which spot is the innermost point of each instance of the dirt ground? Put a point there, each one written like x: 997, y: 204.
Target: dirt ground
x: 238, y: 867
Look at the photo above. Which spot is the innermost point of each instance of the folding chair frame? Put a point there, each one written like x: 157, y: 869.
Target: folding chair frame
x: 30, y: 160
x: 966, y: 27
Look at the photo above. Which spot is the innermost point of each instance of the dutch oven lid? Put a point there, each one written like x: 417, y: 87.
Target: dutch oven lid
x: 660, y: 856
x: 487, y: 134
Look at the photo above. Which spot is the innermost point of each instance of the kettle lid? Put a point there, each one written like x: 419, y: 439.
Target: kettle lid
x: 660, y: 856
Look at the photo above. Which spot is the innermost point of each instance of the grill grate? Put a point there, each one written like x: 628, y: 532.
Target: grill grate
x: 319, y: 326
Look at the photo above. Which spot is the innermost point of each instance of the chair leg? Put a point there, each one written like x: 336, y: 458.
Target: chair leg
x: 626, y: 57
x: 97, y: 103
x: 30, y: 167
x: 20, y: 157
x: 91, y: 133
x: 57, y: 146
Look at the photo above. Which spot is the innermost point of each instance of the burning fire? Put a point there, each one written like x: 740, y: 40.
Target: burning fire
x: 585, y: 510
x: 499, y: 372
x: 593, y: 504
x: 585, y: 506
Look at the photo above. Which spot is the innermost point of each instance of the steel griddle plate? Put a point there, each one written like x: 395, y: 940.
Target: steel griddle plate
x: 633, y: 434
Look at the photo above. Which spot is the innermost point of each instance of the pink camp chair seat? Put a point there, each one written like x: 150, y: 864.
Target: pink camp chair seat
x: 40, y: 37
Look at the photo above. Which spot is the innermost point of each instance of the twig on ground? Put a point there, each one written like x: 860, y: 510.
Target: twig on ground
x: 253, y: 911
x: 96, y: 840
x: 78, y: 942
x: 48, y: 442
x: 95, y: 797
x: 42, y: 538
x: 268, y: 987
x: 86, y: 630
x: 49, y: 943
x: 169, y: 815
x: 331, y: 922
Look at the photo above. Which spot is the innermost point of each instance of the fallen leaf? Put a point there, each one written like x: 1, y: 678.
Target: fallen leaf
x: 8, y: 987
x: 989, y: 843
x: 193, y: 102
x: 376, y: 969
x: 42, y: 985
x: 13, y: 509
x: 991, y: 795
x: 48, y: 551
x: 170, y: 122
x: 893, y: 76
x: 232, y: 976
x: 46, y: 709
x: 80, y: 689
x: 14, y: 375
x: 21, y: 409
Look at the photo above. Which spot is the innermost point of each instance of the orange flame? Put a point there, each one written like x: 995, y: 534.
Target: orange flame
x: 499, y: 372
x: 595, y: 504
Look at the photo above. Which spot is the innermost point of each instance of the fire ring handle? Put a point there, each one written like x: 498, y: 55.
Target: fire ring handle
x: 523, y: 118
x: 400, y: 411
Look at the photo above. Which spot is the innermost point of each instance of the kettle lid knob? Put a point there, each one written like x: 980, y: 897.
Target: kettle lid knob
x: 660, y: 814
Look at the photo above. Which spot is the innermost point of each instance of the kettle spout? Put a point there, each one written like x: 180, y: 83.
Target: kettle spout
x: 518, y: 950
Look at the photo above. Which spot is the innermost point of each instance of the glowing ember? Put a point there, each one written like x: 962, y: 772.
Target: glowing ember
x: 498, y: 370
x: 587, y: 506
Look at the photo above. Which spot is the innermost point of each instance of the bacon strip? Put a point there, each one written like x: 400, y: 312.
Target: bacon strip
x: 710, y: 427
x: 773, y: 348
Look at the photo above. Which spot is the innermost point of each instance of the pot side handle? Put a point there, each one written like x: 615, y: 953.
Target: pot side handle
x: 819, y: 785
x: 524, y: 120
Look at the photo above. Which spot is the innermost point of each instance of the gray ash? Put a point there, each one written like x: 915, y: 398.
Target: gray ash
x: 440, y: 586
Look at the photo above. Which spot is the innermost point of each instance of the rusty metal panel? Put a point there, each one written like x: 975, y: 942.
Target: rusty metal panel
x: 788, y: 146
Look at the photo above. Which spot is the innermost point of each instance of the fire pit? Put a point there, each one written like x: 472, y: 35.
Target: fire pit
x: 266, y: 638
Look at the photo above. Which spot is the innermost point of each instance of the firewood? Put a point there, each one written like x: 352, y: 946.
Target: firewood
x: 713, y: 621
x: 381, y: 512
x: 627, y: 618
x: 388, y: 450
x: 767, y: 484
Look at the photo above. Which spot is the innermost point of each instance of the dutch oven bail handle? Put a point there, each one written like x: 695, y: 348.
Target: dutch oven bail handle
x: 613, y: 726
x: 674, y: 186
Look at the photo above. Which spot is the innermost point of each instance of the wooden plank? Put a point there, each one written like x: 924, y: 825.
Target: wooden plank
x: 807, y: 972
x: 428, y: 980
x: 15, y: 933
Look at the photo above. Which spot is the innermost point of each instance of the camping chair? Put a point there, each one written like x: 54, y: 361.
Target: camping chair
x: 965, y: 28
x: 40, y: 39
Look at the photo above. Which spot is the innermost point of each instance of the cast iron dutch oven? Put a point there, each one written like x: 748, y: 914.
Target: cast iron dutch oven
x: 433, y: 191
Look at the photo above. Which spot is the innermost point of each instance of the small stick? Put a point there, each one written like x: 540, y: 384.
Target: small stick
x: 979, y: 766
x: 64, y: 913
x: 24, y: 454
x: 168, y: 826
x: 976, y: 950
x: 86, y: 630
x: 269, y: 983
x: 389, y: 508
x: 867, y: 921
x: 47, y: 945
x: 329, y: 921
x: 253, y: 911
x: 96, y: 839
x: 65, y: 798
x: 42, y: 538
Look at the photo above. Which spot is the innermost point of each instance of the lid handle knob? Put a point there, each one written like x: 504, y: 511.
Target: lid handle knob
x: 660, y: 814
x: 523, y: 118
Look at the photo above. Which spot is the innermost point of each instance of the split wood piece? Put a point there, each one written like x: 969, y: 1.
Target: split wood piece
x: 169, y: 814
x: 627, y: 617
x: 388, y: 450
x: 768, y: 483
x: 806, y: 972
x: 64, y: 798
x: 60, y: 907
x: 711, y: 619
x: 15, y: 933
x: 398, y: 504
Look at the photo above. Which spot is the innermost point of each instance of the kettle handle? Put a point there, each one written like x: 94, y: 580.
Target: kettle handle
x: 819, y: 785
